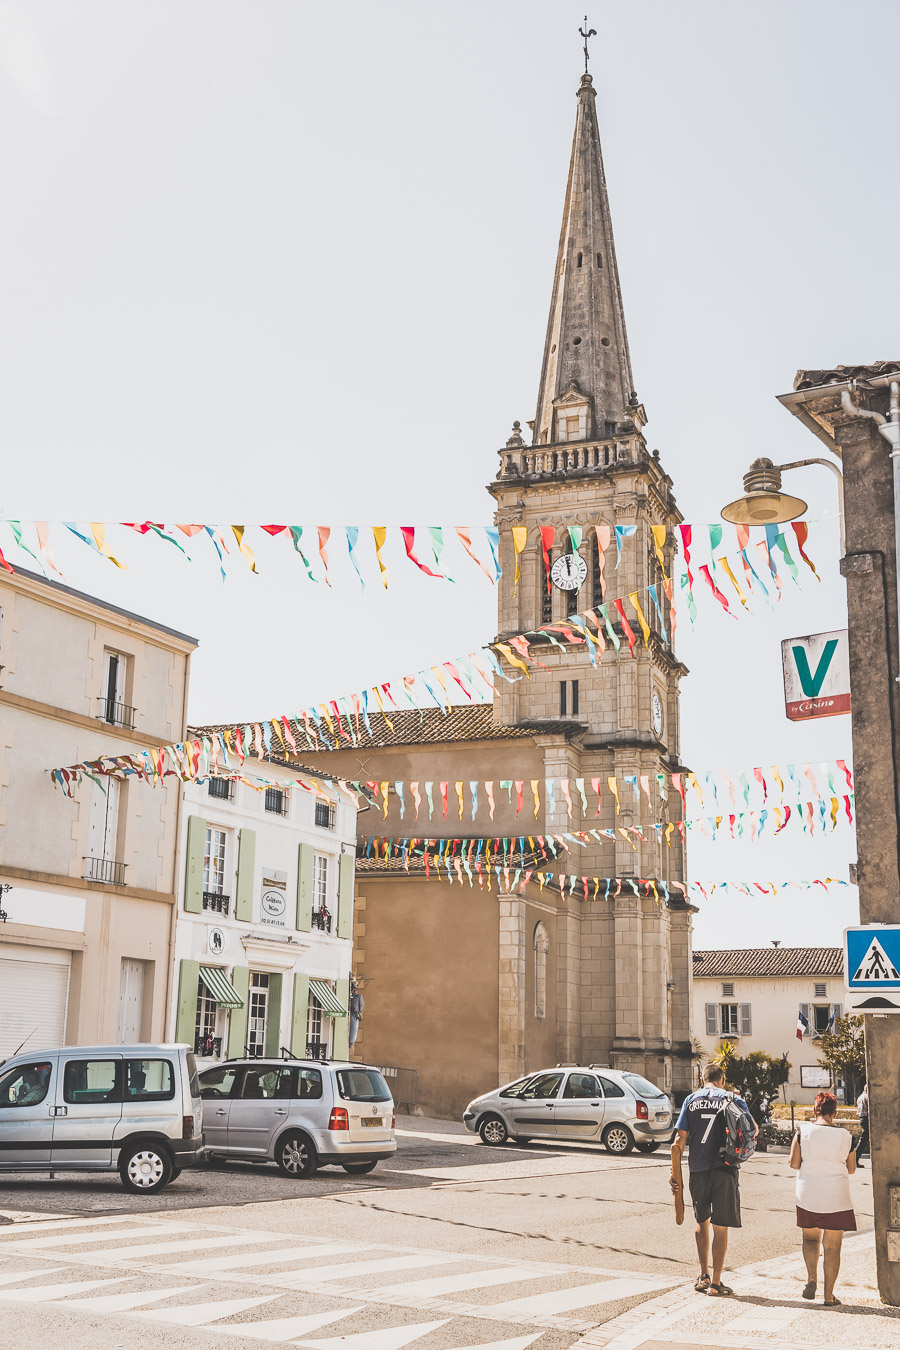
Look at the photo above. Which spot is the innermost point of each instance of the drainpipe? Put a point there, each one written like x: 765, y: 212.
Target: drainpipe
x: 890, y: 430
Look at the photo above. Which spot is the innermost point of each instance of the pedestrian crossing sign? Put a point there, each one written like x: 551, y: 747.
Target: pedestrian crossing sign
x: 872, y: 967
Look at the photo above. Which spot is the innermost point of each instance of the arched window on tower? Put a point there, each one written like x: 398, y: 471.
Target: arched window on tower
x: 541, y: 947
x: 546, y: 591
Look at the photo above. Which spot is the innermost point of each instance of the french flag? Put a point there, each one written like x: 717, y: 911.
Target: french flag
x: 802, y: 1026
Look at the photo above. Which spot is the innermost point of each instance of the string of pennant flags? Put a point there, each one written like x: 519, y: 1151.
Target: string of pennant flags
x: 754, y: 569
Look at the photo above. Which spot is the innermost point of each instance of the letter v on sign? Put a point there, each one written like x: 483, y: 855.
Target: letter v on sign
x: 811, y: 681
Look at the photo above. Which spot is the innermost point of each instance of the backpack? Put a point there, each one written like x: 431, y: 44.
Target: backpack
x: 741, y: 1131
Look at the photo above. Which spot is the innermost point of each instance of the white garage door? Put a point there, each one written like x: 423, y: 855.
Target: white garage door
x: 33, y: 994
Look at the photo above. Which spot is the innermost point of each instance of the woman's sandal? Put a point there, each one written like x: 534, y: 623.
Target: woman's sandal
x: 719, y: 1291
x: 702, y: 1284
x: 832, y: 1303
x: 809, y: 1289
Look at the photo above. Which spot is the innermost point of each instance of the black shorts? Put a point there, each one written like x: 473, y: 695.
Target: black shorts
x: 716, y: 1195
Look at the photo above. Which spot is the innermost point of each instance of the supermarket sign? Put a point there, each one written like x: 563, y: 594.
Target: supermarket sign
x: 816, y: 675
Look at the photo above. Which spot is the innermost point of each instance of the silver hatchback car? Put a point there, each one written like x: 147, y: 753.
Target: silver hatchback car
x: 620, y: 1109
x: 300, y: 1114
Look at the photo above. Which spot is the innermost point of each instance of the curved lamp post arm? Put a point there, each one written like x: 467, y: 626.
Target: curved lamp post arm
x: 829, y: 464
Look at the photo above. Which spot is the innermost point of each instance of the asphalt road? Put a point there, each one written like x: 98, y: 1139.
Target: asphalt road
x: 451, y: 1246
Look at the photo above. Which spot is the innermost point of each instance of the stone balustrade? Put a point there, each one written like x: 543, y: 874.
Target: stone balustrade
x: 582, y: 456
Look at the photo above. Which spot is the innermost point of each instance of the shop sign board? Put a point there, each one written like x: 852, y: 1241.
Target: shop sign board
x: 273, y: 905
x: 816, y: 675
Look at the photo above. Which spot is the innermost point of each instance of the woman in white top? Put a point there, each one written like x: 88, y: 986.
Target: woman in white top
x: 822, y: 1154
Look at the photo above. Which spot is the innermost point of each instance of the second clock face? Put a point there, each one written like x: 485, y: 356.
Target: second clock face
x: 568, y: 572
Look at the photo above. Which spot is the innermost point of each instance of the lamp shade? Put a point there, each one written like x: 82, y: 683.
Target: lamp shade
x: 764, y: 508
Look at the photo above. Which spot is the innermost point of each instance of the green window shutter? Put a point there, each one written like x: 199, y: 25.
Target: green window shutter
x: 193, y: 869
x: 273, y: 1017
x: 246, y: 872
x: 186, y: 1016
x: 346, y: 868
x: 237, y: 1025
x: 305, y: 889
x: 342, y: 1024
x: 298, y: 1018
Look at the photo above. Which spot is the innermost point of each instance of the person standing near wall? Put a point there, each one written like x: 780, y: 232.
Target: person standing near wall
x: 822, y: 1154
x: 862, y: 1111
x: 357, y: 1004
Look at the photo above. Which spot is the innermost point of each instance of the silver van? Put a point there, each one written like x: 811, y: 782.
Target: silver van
x: 619, y: 1109
x: 134, y: 1109
x: 300, y: 1114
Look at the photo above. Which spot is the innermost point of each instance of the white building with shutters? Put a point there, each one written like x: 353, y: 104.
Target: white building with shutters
x: 264, y: 928
x: 753, y: 997
x: 89, y: 881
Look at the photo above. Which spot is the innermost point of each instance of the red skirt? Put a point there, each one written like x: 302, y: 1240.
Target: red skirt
x: 844, y: 1221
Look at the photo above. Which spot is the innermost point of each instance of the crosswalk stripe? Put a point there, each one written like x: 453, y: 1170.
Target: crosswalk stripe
x: 455, y: 1284
x: 286, y: 1328
x: 584, y: 1296
x: 62, y: 1225
x: 195, y: 1244
x: 29, y: 1274
x: 766, y: 1319
x: 75, y: 1239
x: 517, y: 1343
x: 45, y: 1293
x: 216, y: 1263
x: 196, y: 1314
x: 350, y: 1269
x: 389, y: 1338
x: 125, y: 1302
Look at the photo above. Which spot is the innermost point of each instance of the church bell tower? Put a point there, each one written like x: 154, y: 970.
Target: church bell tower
x: 596, y: 505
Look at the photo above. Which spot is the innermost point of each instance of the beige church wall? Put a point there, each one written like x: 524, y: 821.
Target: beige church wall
x: 428, y: 954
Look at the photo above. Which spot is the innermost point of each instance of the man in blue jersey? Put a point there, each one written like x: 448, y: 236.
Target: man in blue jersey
x: 714, y: 1186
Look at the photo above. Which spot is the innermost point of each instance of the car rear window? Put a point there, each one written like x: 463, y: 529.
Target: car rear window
x: 192, y: 1074
x: 309, y: 1084
x: 642, y: 1086
x: 362, y: 1085
x: 149, y: 1080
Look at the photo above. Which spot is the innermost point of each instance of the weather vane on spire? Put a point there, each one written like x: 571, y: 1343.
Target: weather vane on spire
x: 586, y: 33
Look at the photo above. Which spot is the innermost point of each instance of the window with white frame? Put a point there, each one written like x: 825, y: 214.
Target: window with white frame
x: 113, y: 708
x: 205, y: 1027
x: 318, y: 1029
x: 320, y: 886
x: 214, y: 862
x: 541, y: 944
x: 257, y: 1014
x: 729, y: 1020
x: 821, y: 1017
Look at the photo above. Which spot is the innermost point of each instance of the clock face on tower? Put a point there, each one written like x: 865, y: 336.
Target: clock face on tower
x: 568, y: 572
x: 657, y: 714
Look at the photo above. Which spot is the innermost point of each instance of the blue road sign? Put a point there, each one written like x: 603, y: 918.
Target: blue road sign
x: 872, y: 966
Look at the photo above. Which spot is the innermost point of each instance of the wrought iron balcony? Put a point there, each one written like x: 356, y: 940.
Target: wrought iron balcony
x: 321, y: 919
x: 105, y: 870
x: 117, y: 714
x: 209, y: 1047
x: 316, y: 1050
x: 217, y: 902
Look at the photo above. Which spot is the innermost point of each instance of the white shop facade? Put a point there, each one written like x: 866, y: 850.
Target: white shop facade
x: 263, y: 937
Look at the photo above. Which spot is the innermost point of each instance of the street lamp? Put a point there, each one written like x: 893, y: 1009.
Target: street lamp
x: 764, y: 503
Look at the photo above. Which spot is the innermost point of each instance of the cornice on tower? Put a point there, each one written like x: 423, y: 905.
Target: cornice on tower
x: 586, y: 388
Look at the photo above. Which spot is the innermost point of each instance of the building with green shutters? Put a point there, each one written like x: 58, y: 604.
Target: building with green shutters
x: 264, y: 929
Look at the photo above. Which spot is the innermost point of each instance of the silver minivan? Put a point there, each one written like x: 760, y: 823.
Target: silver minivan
x: 299, y: 1114
x: 134, y: 1109
x: 622, y: 1110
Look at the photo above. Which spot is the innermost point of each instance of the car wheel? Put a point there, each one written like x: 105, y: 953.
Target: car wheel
x: 493, y: 1131
x: 296, y: 1156
x: 649, y: 1147
x: 618, y: 1139
x: 356, y: 1169
x: 145, y: 1169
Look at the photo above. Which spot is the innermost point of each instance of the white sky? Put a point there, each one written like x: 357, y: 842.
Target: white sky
x: 290, y: 261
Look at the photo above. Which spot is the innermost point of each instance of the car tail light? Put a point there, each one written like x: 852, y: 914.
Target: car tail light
x: 187, y: 1127
x: 641, y: 1110
x: 394, y: 1118
x: 339, y: 1120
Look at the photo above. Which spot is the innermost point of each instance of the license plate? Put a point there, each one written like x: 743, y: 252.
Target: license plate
x: 371, y: 1120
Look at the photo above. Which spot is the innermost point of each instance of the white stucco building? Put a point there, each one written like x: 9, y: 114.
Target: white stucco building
x: 753, y: 997
x: 86, y: 950
x: 263, y: 937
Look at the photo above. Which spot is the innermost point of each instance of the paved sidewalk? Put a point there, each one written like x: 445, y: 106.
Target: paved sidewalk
x: 767, y: 1310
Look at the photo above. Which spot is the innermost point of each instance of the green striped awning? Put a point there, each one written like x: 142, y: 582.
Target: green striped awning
x: 329, y: 1000
x: 221, y: 988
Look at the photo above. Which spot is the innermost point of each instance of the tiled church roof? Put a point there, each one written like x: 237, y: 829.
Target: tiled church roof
x: 773, y: 961
x: 428, y: 726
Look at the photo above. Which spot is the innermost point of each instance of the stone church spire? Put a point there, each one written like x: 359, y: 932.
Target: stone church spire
x: 586, y: 384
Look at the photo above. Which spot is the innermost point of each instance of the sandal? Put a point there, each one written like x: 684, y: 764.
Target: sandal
x: 719, y: 1291
x: 832, y: 1303
x: 702, y: 1284
x: 809, y: 1289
